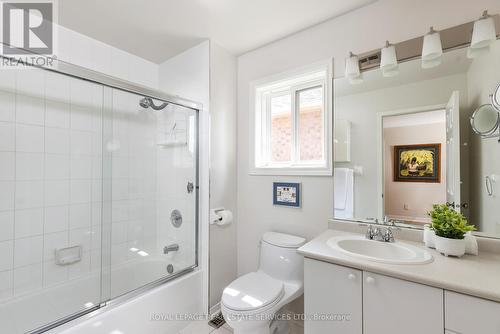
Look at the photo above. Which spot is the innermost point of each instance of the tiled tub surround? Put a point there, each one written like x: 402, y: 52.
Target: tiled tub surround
x: 50, y: 187
x: 51, y: 195
x: 148, y: 182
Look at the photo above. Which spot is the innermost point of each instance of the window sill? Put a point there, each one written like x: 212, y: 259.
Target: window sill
x: 291, y: 171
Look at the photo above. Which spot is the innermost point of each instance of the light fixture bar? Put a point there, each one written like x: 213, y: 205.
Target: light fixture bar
x: 451, y: 38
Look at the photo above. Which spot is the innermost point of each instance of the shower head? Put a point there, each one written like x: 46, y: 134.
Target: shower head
x: 147, y: 102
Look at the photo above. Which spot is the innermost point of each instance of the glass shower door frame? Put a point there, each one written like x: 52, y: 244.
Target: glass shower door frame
x: 108, y: 83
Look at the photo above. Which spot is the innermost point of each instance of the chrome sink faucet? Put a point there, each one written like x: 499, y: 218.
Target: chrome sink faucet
x: 381, y: 233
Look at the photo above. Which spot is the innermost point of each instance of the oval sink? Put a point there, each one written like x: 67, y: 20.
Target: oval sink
x: 386, y: 252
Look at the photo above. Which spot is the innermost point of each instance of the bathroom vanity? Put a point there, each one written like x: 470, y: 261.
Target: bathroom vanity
x: 353, y: 295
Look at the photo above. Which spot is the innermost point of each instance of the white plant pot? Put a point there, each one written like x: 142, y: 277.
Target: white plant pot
x: 453, y: 247
x: 429, y: 236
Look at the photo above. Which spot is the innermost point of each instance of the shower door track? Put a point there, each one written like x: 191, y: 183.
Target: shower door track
x: 85, y: 74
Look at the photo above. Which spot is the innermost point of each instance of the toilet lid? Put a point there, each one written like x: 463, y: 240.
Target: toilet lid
x: 252, y: 291
x: 283, y: 240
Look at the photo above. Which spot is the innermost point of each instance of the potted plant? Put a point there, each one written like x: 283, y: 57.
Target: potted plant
x: 450, y: 228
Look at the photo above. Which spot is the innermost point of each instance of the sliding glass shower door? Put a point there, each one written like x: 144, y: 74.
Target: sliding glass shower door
x: 152, y: 149
x: 98, y: 195
x: 50, y: 197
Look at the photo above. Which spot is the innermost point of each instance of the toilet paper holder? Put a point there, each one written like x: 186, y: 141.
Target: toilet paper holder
x: 216, y: 217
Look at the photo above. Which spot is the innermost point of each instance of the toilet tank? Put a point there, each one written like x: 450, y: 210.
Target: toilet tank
x: 279, y: 257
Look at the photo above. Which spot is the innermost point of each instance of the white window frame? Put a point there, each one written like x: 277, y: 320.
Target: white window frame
x: 291, y: 82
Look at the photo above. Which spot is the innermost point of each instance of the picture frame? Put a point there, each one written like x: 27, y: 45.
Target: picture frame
x: 286, y: 194
x: 417, y: 163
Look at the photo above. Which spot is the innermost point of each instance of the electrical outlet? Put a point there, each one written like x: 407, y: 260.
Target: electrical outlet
x: 406, y: 206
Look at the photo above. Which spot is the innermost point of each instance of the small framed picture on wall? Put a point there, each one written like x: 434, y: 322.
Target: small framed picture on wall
x: 286, y: 194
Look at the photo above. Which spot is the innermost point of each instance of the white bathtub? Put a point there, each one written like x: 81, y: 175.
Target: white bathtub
x: 154, y: 312
x: 182, y: 294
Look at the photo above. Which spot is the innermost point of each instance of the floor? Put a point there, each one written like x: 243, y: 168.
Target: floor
x: 201, y: 327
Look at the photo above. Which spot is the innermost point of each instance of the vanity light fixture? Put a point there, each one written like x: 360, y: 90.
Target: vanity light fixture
x: 475, y: 53
x: 352, y: 70
x: 432, y: 49
x: 483, y: 34
x: 389, y: 60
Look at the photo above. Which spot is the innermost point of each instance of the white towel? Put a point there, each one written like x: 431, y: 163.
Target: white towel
x: 343, y: 193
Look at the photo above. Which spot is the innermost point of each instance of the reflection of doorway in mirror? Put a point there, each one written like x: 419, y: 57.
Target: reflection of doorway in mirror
x: 409, y: 197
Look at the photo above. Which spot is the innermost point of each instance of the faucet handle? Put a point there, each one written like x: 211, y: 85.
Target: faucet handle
x: 370, y: 232
x: 388, y: 235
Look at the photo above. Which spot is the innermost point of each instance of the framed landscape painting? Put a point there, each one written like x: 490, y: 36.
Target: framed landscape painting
x: 417, y: 163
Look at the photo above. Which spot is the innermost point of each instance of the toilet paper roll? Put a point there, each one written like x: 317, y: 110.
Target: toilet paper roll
x: 226, y: 217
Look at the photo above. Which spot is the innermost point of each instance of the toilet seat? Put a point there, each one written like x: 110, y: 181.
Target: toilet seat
x: 253, y: 291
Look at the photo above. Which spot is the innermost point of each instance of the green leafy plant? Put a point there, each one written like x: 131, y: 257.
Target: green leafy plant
x: 448, y: 223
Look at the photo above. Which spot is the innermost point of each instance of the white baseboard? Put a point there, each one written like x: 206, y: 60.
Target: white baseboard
x: 214, y: 309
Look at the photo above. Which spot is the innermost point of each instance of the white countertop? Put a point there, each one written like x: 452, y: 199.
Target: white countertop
x: 473, y: 275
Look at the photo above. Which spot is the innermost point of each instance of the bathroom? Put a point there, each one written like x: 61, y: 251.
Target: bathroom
x: 248, y: 167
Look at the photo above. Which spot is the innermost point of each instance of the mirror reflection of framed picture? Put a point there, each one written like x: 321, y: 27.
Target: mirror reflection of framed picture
x: 417, y: 163
x: 286, y: 194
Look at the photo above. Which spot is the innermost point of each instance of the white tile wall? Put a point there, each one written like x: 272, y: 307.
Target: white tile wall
x: 131, y: 124
x: 50, y: 136
x: 7, y: 252
x: 6, y: 225
x: 29, y: 138
x: 7, y: 166
x: 29, y: 166
x: 7, y: 107
x: 51, y: 169
x: 29, y: 223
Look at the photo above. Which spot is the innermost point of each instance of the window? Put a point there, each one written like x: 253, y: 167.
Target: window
x: 291, y: 129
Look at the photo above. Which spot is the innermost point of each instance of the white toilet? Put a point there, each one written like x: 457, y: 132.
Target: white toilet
x: 250, y: 302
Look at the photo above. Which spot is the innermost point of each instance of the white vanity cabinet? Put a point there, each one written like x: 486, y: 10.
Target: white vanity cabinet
x: 377, y: 304
x: 394, y: 306
x: 332, y: 290
x: 471, y: 315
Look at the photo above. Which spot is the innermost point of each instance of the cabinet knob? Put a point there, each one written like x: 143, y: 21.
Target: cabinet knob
x: 351, y: 277
x: 370, y: 280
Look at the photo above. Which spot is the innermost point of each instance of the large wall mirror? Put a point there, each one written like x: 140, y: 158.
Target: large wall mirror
x: 405, y: 142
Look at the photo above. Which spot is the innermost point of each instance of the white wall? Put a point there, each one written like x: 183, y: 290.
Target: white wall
x: 81, y: 50
x: 222, y: 168
x: 207, y: 73
x: 188, y: 75
x: 90, y: 53
x: 362, y: 30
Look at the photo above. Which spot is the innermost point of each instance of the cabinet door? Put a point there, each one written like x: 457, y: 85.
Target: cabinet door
x: 332, y: 298
x: 393, y: 306
x: 471, y: 315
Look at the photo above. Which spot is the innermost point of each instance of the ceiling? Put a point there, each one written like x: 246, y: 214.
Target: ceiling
x: 159, y: 29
